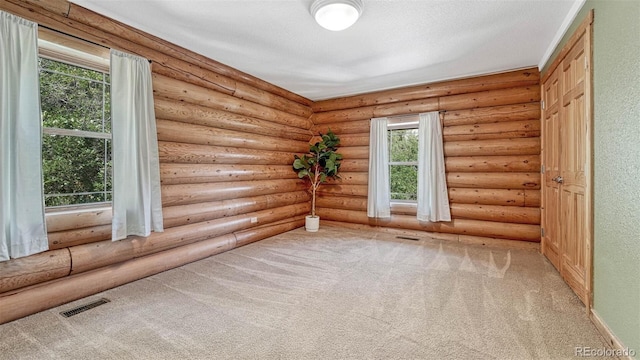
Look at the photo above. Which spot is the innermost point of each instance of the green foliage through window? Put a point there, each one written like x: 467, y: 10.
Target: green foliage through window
x: 403, y: 164
x: 76, y: 144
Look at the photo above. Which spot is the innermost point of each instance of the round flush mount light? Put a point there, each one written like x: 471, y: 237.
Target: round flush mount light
x: 336, y: 15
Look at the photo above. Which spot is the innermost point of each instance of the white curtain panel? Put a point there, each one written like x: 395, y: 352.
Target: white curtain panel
x: 379, y: 191
x: 137, y: 206
x: 22, y: 224
x: 433, y: 199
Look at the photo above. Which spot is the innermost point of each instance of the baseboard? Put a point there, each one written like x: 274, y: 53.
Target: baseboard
x: 610, y: 338
x: 464, y: 239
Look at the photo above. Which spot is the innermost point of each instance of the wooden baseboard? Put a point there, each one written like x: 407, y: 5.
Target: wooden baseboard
x: 464, y: 239
x: 611, y: 339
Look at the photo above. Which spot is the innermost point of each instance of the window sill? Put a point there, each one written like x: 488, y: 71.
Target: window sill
x: 59, y: 210
x: 404, y: 208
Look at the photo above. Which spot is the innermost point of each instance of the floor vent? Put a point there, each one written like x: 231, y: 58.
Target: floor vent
x: 407, y: 238
x: 83, y: 308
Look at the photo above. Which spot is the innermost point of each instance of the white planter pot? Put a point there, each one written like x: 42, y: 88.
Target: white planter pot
x: 312, y: 224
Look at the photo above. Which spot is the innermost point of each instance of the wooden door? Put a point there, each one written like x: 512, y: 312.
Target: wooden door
x: 573, y: 165
x: 566, y: 159
x: 550, y: 206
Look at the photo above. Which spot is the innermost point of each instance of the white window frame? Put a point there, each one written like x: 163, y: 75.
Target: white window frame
x: 402, y: 122
x: 76, y: 52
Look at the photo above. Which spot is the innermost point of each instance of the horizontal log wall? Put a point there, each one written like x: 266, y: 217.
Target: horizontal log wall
x: 491, y: 131
x: 226, y: 144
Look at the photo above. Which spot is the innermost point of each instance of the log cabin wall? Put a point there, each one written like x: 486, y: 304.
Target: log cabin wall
x: 491, y: 129
x: 226, y: 144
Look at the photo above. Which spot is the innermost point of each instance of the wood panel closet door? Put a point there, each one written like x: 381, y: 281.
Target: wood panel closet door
x: 551, y: 160
x: 566, y: 158
x: 574, y: 141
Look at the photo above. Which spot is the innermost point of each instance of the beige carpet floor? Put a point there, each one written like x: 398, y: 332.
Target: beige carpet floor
x: 335, y: 294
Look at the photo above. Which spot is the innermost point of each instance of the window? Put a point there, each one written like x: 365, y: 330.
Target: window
x: 76, y: 144
x: 396, y: 175
x: 403, y: 161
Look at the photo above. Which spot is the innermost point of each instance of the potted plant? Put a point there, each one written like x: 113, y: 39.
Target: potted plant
x: 320, y: 164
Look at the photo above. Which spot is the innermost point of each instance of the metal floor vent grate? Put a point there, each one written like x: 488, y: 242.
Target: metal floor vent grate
x: 83, y: 308
x: 407, y: 238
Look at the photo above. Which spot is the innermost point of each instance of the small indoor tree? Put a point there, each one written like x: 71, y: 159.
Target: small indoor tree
x: 321, y: 163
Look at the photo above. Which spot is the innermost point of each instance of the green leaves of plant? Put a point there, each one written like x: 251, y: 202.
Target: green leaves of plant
x: 300, y: 163
x: 330, y: 139
x: 322, y: 162
x: 330, y: 165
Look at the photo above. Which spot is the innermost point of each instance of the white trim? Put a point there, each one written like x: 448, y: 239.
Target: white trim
x: 568, y: 20
x: 404, y: 163
x: 403, y: 125
x: 74, y: 132
x: 71, y: 56
x: 402, y: 122
x: 404, y: 203
x: 78, y: 208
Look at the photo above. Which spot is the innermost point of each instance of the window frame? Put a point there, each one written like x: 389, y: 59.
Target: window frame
x: 402, y: 122
x: 70, y: 50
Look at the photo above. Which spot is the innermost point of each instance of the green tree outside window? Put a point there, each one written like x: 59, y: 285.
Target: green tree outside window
x: 76, y: 144
x: 403, y: 164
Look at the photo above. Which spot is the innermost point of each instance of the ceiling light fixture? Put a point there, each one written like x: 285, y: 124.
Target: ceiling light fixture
x: 336, y: 15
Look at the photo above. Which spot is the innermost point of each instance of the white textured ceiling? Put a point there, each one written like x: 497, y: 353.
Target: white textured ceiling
x: 395, y: 43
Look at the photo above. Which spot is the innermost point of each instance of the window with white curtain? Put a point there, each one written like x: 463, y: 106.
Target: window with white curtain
x: 406, y: 167
x: 76, y: 121
x: 55, y: 98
